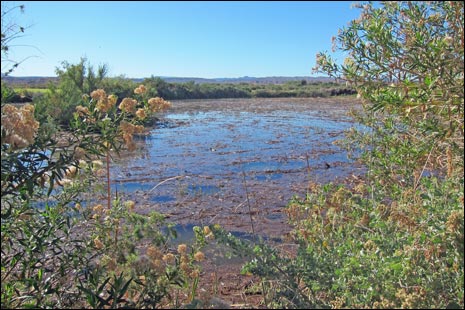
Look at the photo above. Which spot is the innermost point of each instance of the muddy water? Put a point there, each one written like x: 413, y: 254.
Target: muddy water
x: 236, y: 162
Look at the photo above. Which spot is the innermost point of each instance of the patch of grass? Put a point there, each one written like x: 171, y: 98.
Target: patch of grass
x: 25, y: 91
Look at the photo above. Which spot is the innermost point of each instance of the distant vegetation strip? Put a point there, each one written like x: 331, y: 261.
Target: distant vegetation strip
x: 30, y: 90
x: 23, y: 90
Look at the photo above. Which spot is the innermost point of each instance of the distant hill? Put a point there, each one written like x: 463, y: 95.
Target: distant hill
x: 41, y: 81
x: 248, y: 79
x: 29, y: 81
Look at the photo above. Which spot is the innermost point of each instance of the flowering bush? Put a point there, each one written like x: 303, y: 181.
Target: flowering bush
x: 394, y: 238
x: 60, y: 246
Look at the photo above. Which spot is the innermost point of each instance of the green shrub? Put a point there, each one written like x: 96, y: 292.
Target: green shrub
x: 74, y: 81
x: 61, y: 247
x: 394, y: 238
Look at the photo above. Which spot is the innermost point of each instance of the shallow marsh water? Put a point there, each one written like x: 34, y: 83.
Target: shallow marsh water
x: 234, y: 161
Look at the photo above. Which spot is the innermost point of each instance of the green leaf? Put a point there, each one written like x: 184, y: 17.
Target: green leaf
x: 396, y: 266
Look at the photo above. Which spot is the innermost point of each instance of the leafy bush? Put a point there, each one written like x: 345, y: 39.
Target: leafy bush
x: 74, y: 81
x: 61, y: 248
x: 394, y: 238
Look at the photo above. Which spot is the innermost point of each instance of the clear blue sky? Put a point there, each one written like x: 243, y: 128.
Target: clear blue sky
x: 182, y: 39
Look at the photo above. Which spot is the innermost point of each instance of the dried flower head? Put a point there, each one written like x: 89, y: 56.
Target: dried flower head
x: 206, y: 230
x: 98, y: 94
x: 128, y: 105
x: 194, y: 274
x: 82, y: 111
x: 208, y: 233
x: 158, y: 265
x: 112, y: 99
x: 103, y: 105
x: 158, y: 104
x: 71, y: 171
x: 140, y: 90
x: 185, y: 267
x: 98, y: 244
x: 154, y: 253
x: 98, y: 208
x: 182, y: 248
x: 129, y: 128
x: 199, y: 256
x: 19, y: 125
x: 169, y: 258
x: 454, y: 222
x: 140, y: 113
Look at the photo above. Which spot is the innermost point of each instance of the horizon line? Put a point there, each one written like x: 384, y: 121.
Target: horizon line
x: 181, y: 77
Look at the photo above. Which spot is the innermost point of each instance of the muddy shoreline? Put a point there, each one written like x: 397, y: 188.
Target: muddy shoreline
x: 236, y: 162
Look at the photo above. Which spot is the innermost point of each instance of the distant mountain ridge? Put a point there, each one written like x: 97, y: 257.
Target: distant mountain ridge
x: 43, y: 80
x: 248, y: 79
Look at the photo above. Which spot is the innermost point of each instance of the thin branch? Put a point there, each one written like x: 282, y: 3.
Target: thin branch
x: 169, y: 179
x: 248, y: 201
x: 424, y: 168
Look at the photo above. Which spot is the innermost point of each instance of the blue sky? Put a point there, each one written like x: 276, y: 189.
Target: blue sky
x: 184, y: 39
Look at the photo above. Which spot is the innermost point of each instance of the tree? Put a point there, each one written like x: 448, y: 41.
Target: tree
x: 74, y: 80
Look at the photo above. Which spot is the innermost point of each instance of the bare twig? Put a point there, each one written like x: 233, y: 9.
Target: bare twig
x: 169, y: 179
x: 424, y: 168
x: 248, y: 201
x: 108, y: 181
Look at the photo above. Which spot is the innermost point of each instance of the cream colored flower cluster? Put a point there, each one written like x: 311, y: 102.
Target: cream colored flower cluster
x: 128, y: 130
x: 104, y: 102
x: 185, y: 262
x: 158, y: 104
x: 19, y: 125
x: 140, y: 90
x: 130, y: 106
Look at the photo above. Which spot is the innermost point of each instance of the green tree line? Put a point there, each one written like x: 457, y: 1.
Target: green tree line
x: 176, y: 91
